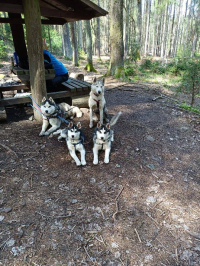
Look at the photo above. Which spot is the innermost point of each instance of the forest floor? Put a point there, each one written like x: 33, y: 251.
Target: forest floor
x: 140, y: 209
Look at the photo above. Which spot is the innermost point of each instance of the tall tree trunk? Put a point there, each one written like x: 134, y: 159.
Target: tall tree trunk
x: 74, y: 43
x: 177, y: 30
x: 148, y: 9
x: 126, y: 29
x: 172, y: 33
x: 89, y: 66
x: 80, y: 35
x: 67, y: 48
x: 163, y: 33
x: 116, y: 38
x: 49, y: 36
x: 139, y: 20
x: 35, y: 51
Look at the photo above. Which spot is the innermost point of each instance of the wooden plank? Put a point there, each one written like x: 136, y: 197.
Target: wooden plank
x: 59, y: 94
x: 85, y: 88
x: 78, y: 87
x: 78, y: 83
x: 82, y: 82
x: 16, y: 87
x: 70, y: 86
x: 49, y: 21
x: 14, y: 101
x: 3, y: 115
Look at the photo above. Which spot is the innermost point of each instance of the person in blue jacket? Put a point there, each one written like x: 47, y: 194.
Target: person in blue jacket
x: 61, y: 73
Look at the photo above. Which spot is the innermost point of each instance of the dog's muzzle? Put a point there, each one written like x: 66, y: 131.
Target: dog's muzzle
x: 46, y: 111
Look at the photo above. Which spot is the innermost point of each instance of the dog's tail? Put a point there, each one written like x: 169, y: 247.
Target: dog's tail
x: 57, y: 132
x: 114, y: 119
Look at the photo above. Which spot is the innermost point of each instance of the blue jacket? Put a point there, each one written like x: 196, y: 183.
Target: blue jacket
x: 59, y: 68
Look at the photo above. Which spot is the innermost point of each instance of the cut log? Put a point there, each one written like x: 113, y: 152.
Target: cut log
x: 78, y: 76
x: 3, y: 115
x: 80, y: 101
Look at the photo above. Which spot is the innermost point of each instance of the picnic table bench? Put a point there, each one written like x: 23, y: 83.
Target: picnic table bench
x: 70, y: 89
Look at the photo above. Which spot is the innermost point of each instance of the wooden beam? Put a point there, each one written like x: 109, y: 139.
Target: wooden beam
x: 35, y: 51
x: 3, y: 115
x: 50, y: 21
x: 18, y: 37
x: 49, y: 12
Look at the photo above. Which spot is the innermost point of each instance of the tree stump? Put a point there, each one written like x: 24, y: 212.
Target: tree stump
x: 3, y: 115
x: 80, y: 101
x: 78, y: 76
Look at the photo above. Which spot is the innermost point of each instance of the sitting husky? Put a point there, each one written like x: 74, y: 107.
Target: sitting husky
x: 51, y: 111
x: 97, y: 101
x: 102, y: 138
x: 74, y: 139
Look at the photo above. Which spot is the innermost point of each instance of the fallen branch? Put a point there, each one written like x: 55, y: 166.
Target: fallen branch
x: 88, y: 255
x: 138, y: 235
x: 8, y: 149
x: 193, y: 235
x: 119, y: 193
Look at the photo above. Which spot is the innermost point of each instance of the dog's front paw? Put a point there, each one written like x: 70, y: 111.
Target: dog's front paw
x: 91, y: 125
x: 106, y: 160
x: 83, y: 163
x: 79, y: 115
x: 41, y: 133
x: 46, y: 133
x: 78, y: 163
x: 95, y: 162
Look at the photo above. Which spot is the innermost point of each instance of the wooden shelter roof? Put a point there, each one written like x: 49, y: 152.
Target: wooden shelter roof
x: 55, y: 11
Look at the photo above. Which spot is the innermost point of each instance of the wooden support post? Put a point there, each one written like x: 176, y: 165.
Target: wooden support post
x: 3, y: 115
x: 18, y: 37
x: 35, y: 51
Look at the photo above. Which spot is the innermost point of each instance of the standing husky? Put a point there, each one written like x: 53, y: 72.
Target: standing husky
x: 51, y: 111
x: 97, y: 101
x: 103, y: 136
x: 74, y: 139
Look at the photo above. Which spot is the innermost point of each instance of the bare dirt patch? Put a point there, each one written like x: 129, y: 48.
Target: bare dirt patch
x: 140, y: 209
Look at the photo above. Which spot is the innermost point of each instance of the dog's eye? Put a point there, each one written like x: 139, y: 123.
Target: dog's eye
x: 49, y: 107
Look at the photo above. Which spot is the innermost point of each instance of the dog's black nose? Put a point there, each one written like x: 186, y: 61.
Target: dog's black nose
x: 72, y: 136
x: 102, y: 137
x: 46, y: 111
x: 99, y: 92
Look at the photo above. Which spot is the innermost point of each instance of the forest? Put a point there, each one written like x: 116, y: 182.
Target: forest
x: 150, y: 40
x: 141, y: 208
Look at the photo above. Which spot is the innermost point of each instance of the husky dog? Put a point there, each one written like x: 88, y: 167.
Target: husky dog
x: 74, y: 139
x: 102, y: 138
x: 97, y: 101
x: 51, y: 111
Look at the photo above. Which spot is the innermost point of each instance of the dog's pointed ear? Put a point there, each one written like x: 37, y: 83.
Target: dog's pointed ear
x: 98, y: 125
x: 108, y: 126
x: 43, y: 99
x: 51, y: 100
x: 94, y: 80
x: 70, y: 124
x: 78, y: 125
x: 103, y: 81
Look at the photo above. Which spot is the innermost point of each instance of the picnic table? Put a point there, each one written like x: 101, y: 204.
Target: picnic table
x: 70, y: 89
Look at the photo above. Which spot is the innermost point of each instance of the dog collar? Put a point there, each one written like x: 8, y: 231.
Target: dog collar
x: 97, y: 102
x: 104, y: 142
x: 80, y: 142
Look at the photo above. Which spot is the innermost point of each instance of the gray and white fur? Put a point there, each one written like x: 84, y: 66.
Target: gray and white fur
x: 97, y: 101
x: 103, y: 136
x: 51, y: 111
x: 75, y: 141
